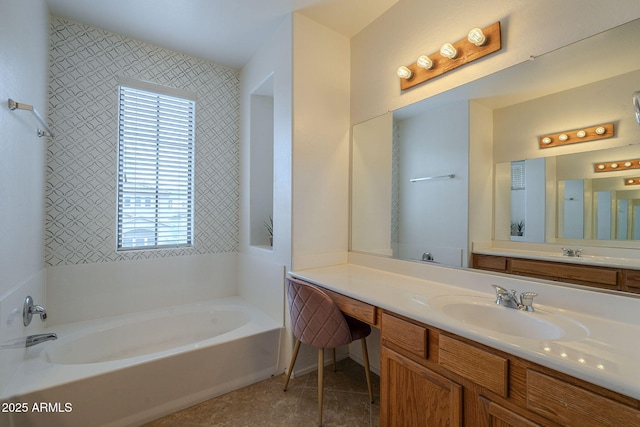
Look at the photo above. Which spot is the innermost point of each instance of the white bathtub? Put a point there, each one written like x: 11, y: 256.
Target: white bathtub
x: 134, y: 368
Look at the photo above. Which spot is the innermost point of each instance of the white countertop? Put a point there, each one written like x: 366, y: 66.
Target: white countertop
x: 602, y: 261
x: 607, y: 355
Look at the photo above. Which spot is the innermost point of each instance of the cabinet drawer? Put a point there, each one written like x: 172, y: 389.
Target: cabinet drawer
x: 489, y: 262
x: 632, y: 281
x: 574, y: 406
x: 485, y: 369
x: 566, y: 272
x: 354, y: 308
x: 404, y: 334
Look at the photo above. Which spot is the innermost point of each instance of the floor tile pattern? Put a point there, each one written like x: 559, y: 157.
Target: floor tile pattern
x: 265, y: 404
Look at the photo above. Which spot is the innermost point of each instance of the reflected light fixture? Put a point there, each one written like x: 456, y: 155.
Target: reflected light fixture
x: 632, y: 181
x: 577, y: 135
x: 618, y: 165
x: 448, y: 51
x: 424, y: 62
x: 477, y: 37
x: 478, y: 43
x: 404, y: 73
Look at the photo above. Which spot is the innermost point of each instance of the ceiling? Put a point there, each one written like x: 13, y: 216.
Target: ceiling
x: 227, y: 32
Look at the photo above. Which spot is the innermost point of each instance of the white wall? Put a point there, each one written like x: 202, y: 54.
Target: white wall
x: 272, y: 61
x: 89, y: 291
x: 321, y: 133
x: 371, y: 199
x: 261, y: 270
x: 23, y: 67
x: 415, y: 27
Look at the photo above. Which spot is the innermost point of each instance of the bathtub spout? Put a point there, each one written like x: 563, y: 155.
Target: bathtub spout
x: 40, y: 338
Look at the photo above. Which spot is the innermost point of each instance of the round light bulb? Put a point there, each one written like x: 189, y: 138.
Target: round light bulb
x: 630, y: 181
x: 614, y: 165
x: 581, y: 134
x: 600, y: 130
x: 477, y: 37
x: 448, y: 51
x: 563, y: 137
x: 600, y: 167
x: 627, y: 164
x: 424, y: 62
x: 546, y: 140
x: 404, y: 73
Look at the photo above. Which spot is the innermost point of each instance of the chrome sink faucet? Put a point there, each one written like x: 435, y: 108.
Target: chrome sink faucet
x: 571, y: 252
x: 511, y: 299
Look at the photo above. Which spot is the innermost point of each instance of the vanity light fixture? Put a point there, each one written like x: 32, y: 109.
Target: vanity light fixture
x: 404, y: 73
x: 477, y: 37
x: 618, y: 165
x: 632, y: 181
x: 577, y: 135
x: 448, y: 51
x: 424, y: 62
x: 477, y: 44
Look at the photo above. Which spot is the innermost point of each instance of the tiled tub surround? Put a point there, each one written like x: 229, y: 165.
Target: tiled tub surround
x: 609, y: 347
x: 136, y: 367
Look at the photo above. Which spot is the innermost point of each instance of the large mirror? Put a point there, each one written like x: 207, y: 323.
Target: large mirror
x: 410, y: 171
x: 582, y: 204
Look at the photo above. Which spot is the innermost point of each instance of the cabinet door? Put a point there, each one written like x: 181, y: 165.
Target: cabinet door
x: 492, y: 414
x: 489, y: 262
x: 412, y: 395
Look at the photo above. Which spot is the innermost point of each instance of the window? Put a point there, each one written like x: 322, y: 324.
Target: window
x: 517, y: 175
x: 155, y: 167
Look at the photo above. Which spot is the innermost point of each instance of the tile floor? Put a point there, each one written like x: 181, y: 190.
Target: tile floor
x: 265, y: 404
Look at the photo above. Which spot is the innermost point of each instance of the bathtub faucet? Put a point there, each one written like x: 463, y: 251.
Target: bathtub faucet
x: 29, y: 309
x: 39, y: 338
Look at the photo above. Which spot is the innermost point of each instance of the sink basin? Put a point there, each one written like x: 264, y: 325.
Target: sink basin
x: 484, y: 313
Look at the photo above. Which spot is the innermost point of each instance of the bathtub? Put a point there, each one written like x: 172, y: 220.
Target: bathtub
x: 130, y: 369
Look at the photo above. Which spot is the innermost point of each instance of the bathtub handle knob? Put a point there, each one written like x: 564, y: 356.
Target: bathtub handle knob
x: 29, y: 309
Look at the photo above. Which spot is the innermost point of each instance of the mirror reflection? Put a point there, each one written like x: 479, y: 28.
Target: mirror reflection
x: 493, y: 124
x: 410, y: 186
x: 587, y: 205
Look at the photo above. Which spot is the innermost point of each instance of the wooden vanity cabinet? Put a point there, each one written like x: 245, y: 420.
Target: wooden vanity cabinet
x: 430, y: 377
x: 588, y: 275
x: 631, y: 281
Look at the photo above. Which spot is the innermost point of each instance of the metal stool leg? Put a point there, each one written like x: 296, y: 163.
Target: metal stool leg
x: 320, y: 383
x: 365, y: 356
x: 293, y: 361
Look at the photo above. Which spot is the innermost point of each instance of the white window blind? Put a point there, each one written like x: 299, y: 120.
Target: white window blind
x: 155, y: 170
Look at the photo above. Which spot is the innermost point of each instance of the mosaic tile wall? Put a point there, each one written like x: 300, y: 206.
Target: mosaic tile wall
x: 85, y: 63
